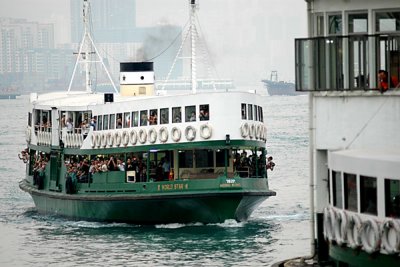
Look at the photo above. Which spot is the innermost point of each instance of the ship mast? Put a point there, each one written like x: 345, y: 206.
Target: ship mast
x: 193, y: 7
x: 84, y: 53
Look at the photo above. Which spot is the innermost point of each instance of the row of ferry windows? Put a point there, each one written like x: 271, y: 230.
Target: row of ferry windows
x: 368, y: 194
x: 252, y: 112
x: 152, y: 117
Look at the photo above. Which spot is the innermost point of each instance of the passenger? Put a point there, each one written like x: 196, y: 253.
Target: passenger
x: 69, y: 125
x: 177, y: 119
x: 112, y: 165
x: 120, y: 165
x: 143, y: 120
x: 203, y: 115
x: 383, y: 81
x: 24, y: 156
x: 119, y: 123
x: 153, y: 118
x: 270, y: 164
x: 166, y: 166
x: 85, y: 128
x: 93, y: 123
x: 129, y: 166
x: 192, y: 117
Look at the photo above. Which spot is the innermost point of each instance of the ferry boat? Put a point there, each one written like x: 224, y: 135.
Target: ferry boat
x: 276, y: 87
x: 139, y: 157
x: 349, y: 64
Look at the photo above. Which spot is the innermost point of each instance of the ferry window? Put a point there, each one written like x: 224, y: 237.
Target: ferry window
x: 244, y: 115
x: 153, y: 117
x: 335, y: 24
x: 392, y: 198
x: 176, y: 115
x: 260, y: 114
x: 127, y: 120
x: 190, y: 113
x: 337, y: 189
x: 119, y: 121
x: 105, y: 122
x: 350, y: 192
x: 135, y: 119
x: 387, y: 21
x: 220, y: 158
x: 112, y: 122
x: 204, y: 112
x: 142, y: 90
x: 29, y: 119
x: 368, y: 194
x: 143, y: 118
x: 164, y: 115
x: 204, y: 158
x: 358, y: 23
x: 255, y: 113
x: 100, y: 123
x: 186, y: 159
x: 250, y: 109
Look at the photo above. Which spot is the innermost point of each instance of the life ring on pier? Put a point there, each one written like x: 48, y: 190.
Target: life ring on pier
x: 163, y: 134
x: 370, y: 236
x: 125, y: 138
x: 93, y: 140
x: 142, y: 136
x: 353, y: 231
x: 110, y: 139
x: 133, y: 137
x: 244, y: 129
x: 176, y: 134
x: 190, y: 133
x: 252, y: 130
x: 103, y: 140
x: 340, y: 227
x: 328, y: 226
x: 205, y: 131
x: 98, y: 140
x: 152, y: 135
x: 117, y: 138
x: 390, y: 229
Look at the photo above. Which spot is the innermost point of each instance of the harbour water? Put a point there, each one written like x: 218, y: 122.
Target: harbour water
x: 277, y: 230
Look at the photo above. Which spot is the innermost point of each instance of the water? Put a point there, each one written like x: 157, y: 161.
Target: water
x: 278, y: 229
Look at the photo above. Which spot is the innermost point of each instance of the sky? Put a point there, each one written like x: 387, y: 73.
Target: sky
x: 247, y: 39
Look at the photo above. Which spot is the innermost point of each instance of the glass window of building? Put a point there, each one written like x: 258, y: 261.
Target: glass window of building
x: 143, y: 118
x: 250, y: 109
x: 204, y: 112
x: 135, y: 119
x: 127, y: 120
x: 392, y: 198
x: 186, y: 159
x: 153, y: 117
x: 244, y: 115
x: 119, y: 121
x: 164, y: 116
x: 337, y: 189
x: 350, y: 192
x: 358, y: 23
x: 100, y: 123
x: 368, y: 195
x: 190, y: 113
x: 105, y: 122
x: 176, y: 115
x: 320, y: 25
x: 388, y: 21
x: 204, y: 158
x: 112, y: 121
x: 335, y: 24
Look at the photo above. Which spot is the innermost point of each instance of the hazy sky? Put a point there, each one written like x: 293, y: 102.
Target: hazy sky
x: 246, y: 38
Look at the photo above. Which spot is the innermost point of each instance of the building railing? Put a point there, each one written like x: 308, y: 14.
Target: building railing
x: 336, y: 63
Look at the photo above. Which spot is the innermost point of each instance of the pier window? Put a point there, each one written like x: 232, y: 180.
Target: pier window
x: 392, y: 198
x: 350, y: 192
x: 164, y: 115
x: 143, y: 118
x: 112, y: 122
x: 177, y: 115
x: 190, y: 113
x: 358, y: 23
x: 250, y: 109
x: 153, y: 116
x: 368, y: 195
x: 127, y: 120
x: 100, y: 123
x: 387, y: 21
x: 244, y: 112
x: 204, y: 112
x: 337, y: 189
x: 135, y: 119
x: 105, y: 122
x: 335, y: 24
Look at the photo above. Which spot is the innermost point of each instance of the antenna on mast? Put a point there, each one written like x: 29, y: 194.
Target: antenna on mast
x: 85, y: 52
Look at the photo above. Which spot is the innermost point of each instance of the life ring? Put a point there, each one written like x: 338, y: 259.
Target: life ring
x: 190, y: 133
x: 252, y: 131
x: 328, y: 228
x: 133, y: 137
x: 152, y: 135
x: 117, y: 138
x: 93, y: 140
x: 125, y: 138
x: 391, y: 236
x: 353, y: 231
x: 142, y: 136
x: 205, y: 131
x: 176, y: 134
x: 110, y: 139
x: 103, y: 140
x: 244, y: 129
x: 370, y: 236
x: 340, y: 227
x: 163, y: 134
x: 98, y: 140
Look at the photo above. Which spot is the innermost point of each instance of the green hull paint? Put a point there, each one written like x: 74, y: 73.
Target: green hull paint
x: 357, y: 257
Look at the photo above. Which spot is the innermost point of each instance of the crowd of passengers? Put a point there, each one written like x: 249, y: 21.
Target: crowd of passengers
x: 38, y: 168
x: 245, y: 165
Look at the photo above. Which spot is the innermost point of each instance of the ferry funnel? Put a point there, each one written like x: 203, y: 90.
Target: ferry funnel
x: 136, y: 78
